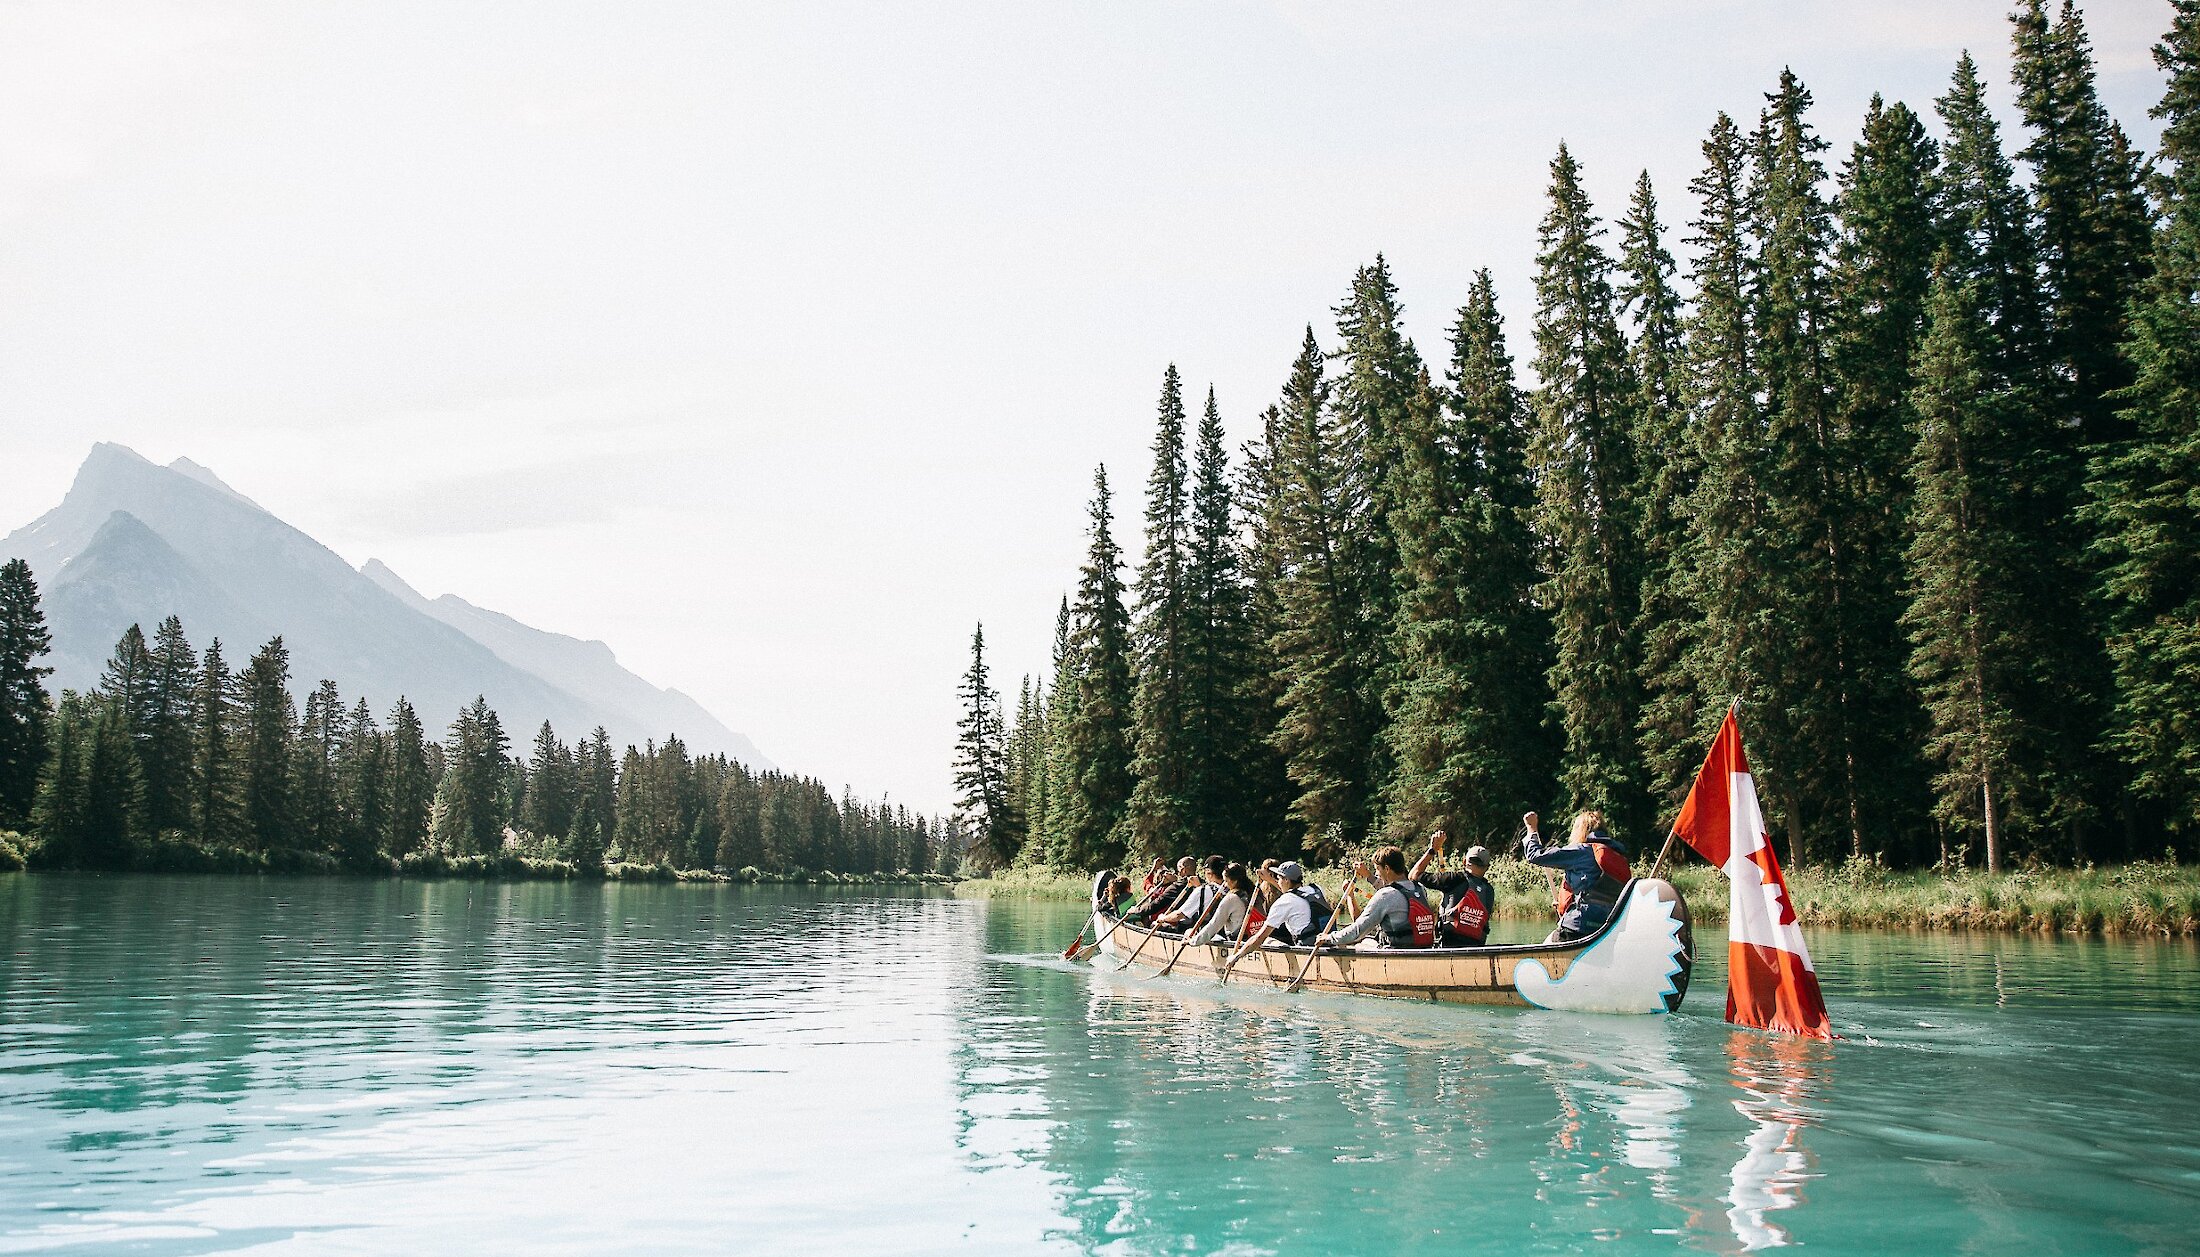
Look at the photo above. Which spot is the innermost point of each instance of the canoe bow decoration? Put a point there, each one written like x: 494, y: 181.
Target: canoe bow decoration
x: 1637, y: 962
x: 1640, y: 965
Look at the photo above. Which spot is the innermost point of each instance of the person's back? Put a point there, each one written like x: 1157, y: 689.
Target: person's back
x: 1469, y: 902
x: 1399, y: 912
x: 1596, y: 871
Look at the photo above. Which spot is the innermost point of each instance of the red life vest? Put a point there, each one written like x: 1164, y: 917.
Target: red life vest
x: 1420, y: 918
x: 1612, y: 874
x: 1470, y: 917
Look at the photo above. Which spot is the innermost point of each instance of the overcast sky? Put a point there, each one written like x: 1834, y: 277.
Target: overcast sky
x: 775, y: 344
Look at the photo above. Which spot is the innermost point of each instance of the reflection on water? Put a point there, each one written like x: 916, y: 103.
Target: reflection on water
x: 206, y: 1064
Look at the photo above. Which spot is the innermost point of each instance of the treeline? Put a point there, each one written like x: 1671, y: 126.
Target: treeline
x: 176, y: 760
x: 1906, y: 460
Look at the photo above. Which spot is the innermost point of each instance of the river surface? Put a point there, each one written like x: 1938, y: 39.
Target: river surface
x: 202, y: 1065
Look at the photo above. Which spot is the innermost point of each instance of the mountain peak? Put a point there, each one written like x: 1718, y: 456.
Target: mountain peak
x: 185, y: 467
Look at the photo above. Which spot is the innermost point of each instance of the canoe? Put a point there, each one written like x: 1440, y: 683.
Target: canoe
x: 1638, y: 961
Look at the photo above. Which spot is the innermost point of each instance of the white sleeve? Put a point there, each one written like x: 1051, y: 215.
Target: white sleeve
x: 1225, y: 921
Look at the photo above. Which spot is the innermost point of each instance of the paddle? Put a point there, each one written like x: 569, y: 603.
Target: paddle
x: 1076, y: 944
x: 1344, y: 898
x: 1189, y: 930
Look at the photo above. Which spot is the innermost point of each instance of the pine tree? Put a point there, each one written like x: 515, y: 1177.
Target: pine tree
x: 1320, y: 644
x: 1967, y: 557
x: 363, y: 776
x: 268, y: 722
x: 113, y: 795
x: 125, y: 695
x: 412, y: 783
x: 217, y: 806
x: 164, y: 740
x: 1097, y: 737
x: 1584, y: 465
x: 25, y: 710
x: 1881, y: 273
x: 315, y: 782
x: 471, y: 806
x: 1987, y: 231
x: 1804, y: 702
x: 1668, y: 465
x: 58, y: 812
x: 1050, y: 829
x: 1227, y: 726
x: 1262, y: 557
x: 552, y: 787
x: 981, y: 764
x: 2145, y: 497
x: 1160, y: 815
x: 2094, y: 227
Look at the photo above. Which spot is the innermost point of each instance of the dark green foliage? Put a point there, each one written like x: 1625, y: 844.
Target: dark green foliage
x: 217, y: 806
x: 2145, y: 495
x: 471, y: 803
x: 267, y: 722
x: 411, y: 782
x: 363, y: 780
x: 1231, y: 763
x: 25, y: 710
x: 1321, y: 641
x: 553, y: 786
x: 164, y: 735
x: 1161, y: 767
x: 1582, y: 454
x: 2094, y: 227
x: 316, y: 788
x: 981, y: 764
x: 1881, y: 273
x: 1097, y: 735
x: 1466, y: 726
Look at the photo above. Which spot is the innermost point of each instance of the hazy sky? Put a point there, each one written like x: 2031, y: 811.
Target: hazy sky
x: 775, y: 344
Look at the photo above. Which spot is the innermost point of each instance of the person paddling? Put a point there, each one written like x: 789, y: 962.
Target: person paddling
x: 1297, y: 914
x: 1469, y: 899
x: 1204, y: 891
x: 1164, y: 894
x: 1399, y: 910
x: 1596, y: 869
x: 1228, y: 918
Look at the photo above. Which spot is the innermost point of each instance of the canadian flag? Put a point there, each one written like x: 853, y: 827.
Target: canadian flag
x: 1769, y: 980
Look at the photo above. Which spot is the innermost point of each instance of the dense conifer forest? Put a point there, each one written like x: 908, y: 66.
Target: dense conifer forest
x: 180, y: 760
x: 1899, y: 449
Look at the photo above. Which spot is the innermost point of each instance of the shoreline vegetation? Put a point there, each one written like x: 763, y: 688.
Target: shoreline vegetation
x: 1892, y: 450
x: 2156, y: 898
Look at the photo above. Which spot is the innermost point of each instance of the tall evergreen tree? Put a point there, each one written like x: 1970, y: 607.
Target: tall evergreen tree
x: 1049, y: 829
x: 164, y: 740
x: 1968, y: 556
x: 58, y: 811
x: 364, y: 788
x: 268, y: 723
x: 25, y: 710
x: 1804, y: 697
x: 412, y: 782
x: 1583, y: 458
x: 315, y: 780
x: 1263, y: 556
x: 1160, y: 811
x: 1227, y: 725
x: 981, y: 763
x: 1320, y: 647
x: 217, y: 806
x: 552, y: 786
x: 113, y: 794
x: 1988, y: 234
x: 1097, y: 744
x: 1881, y: 273
x: 2094, y: 227
x: 2145, y: 496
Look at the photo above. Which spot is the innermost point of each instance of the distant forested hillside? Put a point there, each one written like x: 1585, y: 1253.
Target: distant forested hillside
x: 181, y: 759
x: 1899, y: 448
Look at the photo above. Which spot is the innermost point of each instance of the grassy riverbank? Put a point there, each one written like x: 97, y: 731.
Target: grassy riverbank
x: 2155, y: 898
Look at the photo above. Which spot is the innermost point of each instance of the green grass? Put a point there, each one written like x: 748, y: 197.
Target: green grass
x: 2147, y: 898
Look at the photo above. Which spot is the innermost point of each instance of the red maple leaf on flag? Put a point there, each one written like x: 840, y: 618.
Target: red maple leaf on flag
x: 1769, y: 873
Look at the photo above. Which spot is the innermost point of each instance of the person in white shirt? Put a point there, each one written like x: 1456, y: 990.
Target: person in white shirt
x: 1204, y: 892
x: 1299, y: 913
x: 1229, y: 916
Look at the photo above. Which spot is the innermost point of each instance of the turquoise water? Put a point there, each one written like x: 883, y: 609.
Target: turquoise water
x: 200, y: 1065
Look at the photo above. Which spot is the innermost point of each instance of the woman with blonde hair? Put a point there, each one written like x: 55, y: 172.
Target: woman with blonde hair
x: 1596, y: 870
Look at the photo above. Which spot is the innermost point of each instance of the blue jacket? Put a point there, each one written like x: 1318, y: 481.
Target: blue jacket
x: 1584, y: 911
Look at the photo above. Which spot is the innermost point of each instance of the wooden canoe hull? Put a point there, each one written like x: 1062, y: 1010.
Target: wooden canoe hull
x: 1639, y: 962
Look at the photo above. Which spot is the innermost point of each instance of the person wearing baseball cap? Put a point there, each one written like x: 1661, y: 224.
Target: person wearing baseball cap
x: 1469, y: 899
x: 1298, y: 915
